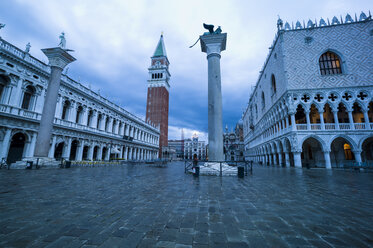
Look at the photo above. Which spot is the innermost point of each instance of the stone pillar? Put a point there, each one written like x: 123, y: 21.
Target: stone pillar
x: 287, y: 159
x: 84, y: 117
x: 93, y: 123
x: 125, y: 153
x: 52, y: 148
x: 58, y: 107
x: 99, y: 154
x: 327, y: 160
x: 275, y: 162
x: 107, y: 157
x: 80, y: 151
x: 31, y: 149
x: 212, y: 45
x: 308, y: 120
x: 287, y: 121
x: 322, y: 120
x: 335, y: 116
x: 351, y: 119
x: 366, y: 119
x: 357, y: 154
x: 58, y: 59
x: 67, y: 150
x: 297, y: 160
x: 280, y: 159
x: 90, y: 151
x: 5, y: 145
x: 293, y: 124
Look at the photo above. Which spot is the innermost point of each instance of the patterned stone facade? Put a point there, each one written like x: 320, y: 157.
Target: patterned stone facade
x: 298, y: 116
x: 86, y: 125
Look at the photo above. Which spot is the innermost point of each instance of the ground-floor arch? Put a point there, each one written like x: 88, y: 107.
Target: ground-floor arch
x: 59, y: 150
x: 341, y: 152
x: 367, y: 150
x: 16, y: 148
x: 74, y: 148
x: 312, y: 153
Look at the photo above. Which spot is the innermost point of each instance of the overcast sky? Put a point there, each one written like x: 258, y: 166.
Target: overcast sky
x: 114, y: 40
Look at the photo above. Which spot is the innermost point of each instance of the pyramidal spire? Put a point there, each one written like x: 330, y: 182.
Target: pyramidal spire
x: 161, y: 49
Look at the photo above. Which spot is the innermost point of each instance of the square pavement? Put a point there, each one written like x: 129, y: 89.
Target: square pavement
x: 134, y: 205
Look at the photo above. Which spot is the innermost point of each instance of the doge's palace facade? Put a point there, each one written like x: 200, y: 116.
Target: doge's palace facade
x: 86, y: 125
x: 312, y: 105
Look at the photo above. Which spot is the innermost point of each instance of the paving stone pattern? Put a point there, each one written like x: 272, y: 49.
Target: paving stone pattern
x: 141, y: 206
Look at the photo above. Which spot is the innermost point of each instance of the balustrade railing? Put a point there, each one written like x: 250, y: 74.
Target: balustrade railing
x: 8, y: 109
x: 330, y: 126
x: 315, y: 126
x: 345, y: 126
x: 360, y: 126
x: 301, y: 126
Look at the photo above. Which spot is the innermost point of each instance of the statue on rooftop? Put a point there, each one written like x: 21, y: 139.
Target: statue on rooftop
x: 28, y: 46
x: 62, y: 41
x: 2, y: 25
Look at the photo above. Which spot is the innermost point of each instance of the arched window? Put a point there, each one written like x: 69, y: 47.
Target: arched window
x: 152, y: 75
x: 89, y: 119
x: 79, y: 112
x: 263, y: 101
x: 65, y: 110
x: 99, y: 118
x: 107, y: 124
x: 113, y: 128
x: 330, y: 64
x: 27, y: 97
x: 3, y: 83
x: 273, y: 84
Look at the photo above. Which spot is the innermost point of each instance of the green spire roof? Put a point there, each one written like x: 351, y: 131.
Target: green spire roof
x: 161, y: 49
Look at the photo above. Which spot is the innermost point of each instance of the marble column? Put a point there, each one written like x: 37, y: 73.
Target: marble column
x: 67, y: 150
x: 52, y: 148
x: 16, y: 99
x: 308, y: 120
x: 90, y: 151
x: 287, y: 159
x: 58, y: 59
x: 327, y: 160
x: 366, y: 119
x: 351, y: 119
x: 31, y: 149
x: 280, y: 159
x: 40, y: 101
x: 99, y: 154
x: 357, y: 154
x: 322, y: 120
x: 335, y: 116
x: 5, y: 145
x: 212, y: 45
x: 293, y: 124
x: 297, y: 160
x: 80, y: 151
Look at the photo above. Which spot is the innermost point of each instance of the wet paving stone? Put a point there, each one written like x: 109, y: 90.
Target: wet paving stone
x: 136, y: 205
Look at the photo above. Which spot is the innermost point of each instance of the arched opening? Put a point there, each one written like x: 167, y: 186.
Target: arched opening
x: 90, y: 116
x: 74, y: 148
x: 59, y: 150
x: 312, y: 155
x: 85, y: 152
x: 367, y: 151
x: 65, y: 110
x: 275, y: 155
x: 114, y: 126
x: 328, y: 114
x: 3, y: 83
x: 107, y: 124
x: 104, y: 151
x: 342, y: 114
x: 95, y: 152
x: 370, y: 112
x: 341, y: 153
x: 330, y: 64
x: 79, y: 113
x: 314, y: 114
x: 281, y: 154
x: 357, y: 113
x: 16, y: 148
x: 300, y: 116
x: 263, y: 101
x: 273, y: 84
x: 28, y: 96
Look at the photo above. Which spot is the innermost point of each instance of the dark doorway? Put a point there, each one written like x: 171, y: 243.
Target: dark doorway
x: 85, y: 152
x: 95, y: 151
x: 16, y: 148
x: 74, y: 147
x: 58, y: 151
x: 104, y: 151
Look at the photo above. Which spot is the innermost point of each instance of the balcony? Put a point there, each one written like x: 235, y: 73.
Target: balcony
x: 11, y: 110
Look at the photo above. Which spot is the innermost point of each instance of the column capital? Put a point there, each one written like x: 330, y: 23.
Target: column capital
x: 213, y: 43
x: 58, y: 57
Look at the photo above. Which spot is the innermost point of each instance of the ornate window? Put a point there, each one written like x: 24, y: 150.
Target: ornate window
x: 28, y: 97
x: 65, y: 110
x: 90, y: 115
x: 273, y: 84
x: 330, y: 64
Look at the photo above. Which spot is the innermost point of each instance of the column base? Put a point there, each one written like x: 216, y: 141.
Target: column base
x: 43, y: 162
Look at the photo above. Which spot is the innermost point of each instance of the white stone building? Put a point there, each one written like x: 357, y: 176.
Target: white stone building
x: 195, y: 148
x: 86, y: 125
x: 313, y: 102
x: 233, y: 143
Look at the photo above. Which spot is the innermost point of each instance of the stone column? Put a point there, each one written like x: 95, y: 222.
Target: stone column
x: 335, y: 116
x: 280, y: 159
x: 66, y: 153
x: 40, y: 101
x: 351, y: 119
x: 5, y: 144
x: 322, y: 120
x: 58, y: 59
x: 93, y: 123
x: 287, y: 159
x: 31, y: 149
x: 357, y: 154
x: 327, y: 160
x: 90, y: 151
x: 99, y: 154
x: 308, y: 120
x: 297, y: 159
x: 125, y: 152
x: 15, y: 101
x: 293, y: 124
x: 212, y: 45
x: 58, y: 107
x: 287, y: 121
x: 84, y: 117
x: 52, y: 148
x: 366, y: 119
x: 80, y: 151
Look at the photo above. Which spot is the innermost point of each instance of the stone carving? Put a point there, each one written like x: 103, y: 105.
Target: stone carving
x: 2, y: 25
x: 210, y: 28
x: 28, y: 46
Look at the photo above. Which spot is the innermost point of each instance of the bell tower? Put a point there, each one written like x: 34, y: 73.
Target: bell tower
x: 158, y: 93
